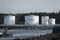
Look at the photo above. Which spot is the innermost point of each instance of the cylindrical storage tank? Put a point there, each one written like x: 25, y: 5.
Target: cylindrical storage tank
x: 9, y: 20
x: 52, y: 21
x: 32, y: 19
x: 45, y: 20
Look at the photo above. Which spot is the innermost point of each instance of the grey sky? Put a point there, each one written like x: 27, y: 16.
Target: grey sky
x: 21, y: 6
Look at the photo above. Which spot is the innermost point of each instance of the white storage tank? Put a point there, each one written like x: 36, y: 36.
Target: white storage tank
x: 45, y: 20
x: 32, y: 19
x: 9, y: 20
x: 52, y: 21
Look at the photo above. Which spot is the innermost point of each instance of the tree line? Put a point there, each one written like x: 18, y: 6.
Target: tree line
x: 20, y: 19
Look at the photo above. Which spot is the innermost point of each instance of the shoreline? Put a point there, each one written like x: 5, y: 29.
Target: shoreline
x: 55, y: 36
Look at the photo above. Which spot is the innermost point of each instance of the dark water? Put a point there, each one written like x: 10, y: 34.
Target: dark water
x: 24, y: 33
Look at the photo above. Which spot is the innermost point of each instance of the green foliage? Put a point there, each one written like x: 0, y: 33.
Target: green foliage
x: 1, y: 19
x: 19, y: 19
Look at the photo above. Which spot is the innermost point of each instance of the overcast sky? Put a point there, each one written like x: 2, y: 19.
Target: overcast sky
x: 22, y: 6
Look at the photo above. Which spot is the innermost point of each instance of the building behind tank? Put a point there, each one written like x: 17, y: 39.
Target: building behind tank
x: 9, y: 19
x: 32, y: 19
x: 45, y: 20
